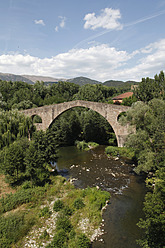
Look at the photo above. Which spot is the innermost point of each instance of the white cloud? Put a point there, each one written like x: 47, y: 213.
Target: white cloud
x: 61, y: 24
x: 39, y: 22
x: 100, y: 62
x: 108, y: 19
x: 56, y: 28
x: 63, y: 20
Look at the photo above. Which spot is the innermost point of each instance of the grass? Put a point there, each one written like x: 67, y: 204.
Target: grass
x: 82, y: 145
x: 4, y: 187
x: 120, y: 151
x: 80, y: 206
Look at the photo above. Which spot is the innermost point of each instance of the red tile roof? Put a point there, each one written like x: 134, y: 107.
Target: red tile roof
x: 124, y: 95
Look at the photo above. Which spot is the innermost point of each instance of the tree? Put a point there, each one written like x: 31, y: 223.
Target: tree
x: 148, y: 141
x: 14, y: 125
x: 90, y: 92
x: 13, y: 160
x: 149, y: 145
x: 151, y: 88
x: 35, y: 166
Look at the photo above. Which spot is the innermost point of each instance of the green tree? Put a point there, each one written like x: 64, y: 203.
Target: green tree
x: 35, y: 166
x: 149, y: 145
x: 12, y: 159
x: 148, y: 141
x: 14, y: 125
x: 151, y: 88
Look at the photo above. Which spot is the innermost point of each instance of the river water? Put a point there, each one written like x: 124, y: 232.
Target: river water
x: 93, y: 168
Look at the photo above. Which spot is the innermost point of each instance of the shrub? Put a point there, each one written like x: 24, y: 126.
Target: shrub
x: 67, y: 211
x: 26, y: 185
x: 58, y: 241
x: 120, y: 151
x: 83, y: 241
x: 13, y: 228
x: 63, y: 222
x: 12, y: 201
x: 45, y: 212
x: 72, y: 234
x: 82, y: 145
x: 78, y: 203
x: 58, y: 205
x: 113, y: 151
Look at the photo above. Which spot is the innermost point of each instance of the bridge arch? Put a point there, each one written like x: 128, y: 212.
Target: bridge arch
x: 109, y: 111
x: 94, y: 117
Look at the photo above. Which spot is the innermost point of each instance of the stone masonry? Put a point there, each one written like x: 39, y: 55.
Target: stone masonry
x: 109, y: 111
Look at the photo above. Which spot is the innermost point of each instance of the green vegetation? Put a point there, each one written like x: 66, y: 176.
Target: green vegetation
x: 13, y: 227
x: 120, y: 151
x: 149, y: 89
x: 58, y: 205
x: 77, y: 205
x: 80, y: 124
x: 82, y: 145
x: 149, y: 145
x: 26, y: 154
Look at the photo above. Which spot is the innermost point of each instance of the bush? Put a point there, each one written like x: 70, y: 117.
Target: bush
x: 81, y: 145
x: 45, y: 212
x: 78, y: 203
x: 97, y: 198
x: 120, y: 151
x: 113, y: 151
x: 12, y: 201
x: 58, y: 205
x: 83, y: 241
x: 58, y: 241
x: 13, y: 228
x: 26, y: 185
x: 67, y: 211
x: 63, y: 222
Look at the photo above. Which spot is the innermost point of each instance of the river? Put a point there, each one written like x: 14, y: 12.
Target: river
x: 93, y: 168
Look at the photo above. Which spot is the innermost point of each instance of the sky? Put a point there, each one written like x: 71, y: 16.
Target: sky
x: 99, y: 39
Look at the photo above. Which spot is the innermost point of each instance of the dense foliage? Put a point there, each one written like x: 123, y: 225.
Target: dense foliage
x: 149, y: 139
x: 81, y: 124
x: 148, y: 117
x: 22, y: 95
x: 151, y: 88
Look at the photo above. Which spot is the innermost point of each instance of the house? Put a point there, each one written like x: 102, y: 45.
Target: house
x: 119, y: 98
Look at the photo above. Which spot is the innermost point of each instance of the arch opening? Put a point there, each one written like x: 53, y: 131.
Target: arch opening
x: 36, y: 119
x: 80, y: 123
x: 120, y: 115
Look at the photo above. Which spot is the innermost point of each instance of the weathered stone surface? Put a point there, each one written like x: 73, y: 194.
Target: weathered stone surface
x: 109, y: 111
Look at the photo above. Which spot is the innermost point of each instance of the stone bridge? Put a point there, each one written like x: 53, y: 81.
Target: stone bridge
x: 109, y: 111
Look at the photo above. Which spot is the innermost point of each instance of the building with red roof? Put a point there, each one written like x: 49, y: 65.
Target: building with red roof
x: 119, y: 98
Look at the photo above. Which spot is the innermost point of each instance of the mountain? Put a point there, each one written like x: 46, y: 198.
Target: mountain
x: 31, y: 79
x: 114, y: 83
x: 34, y: 78
x: 14, y: 78
x: 82, y: 81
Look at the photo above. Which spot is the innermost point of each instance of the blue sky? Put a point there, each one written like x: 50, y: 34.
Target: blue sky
x: 99, y: 39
